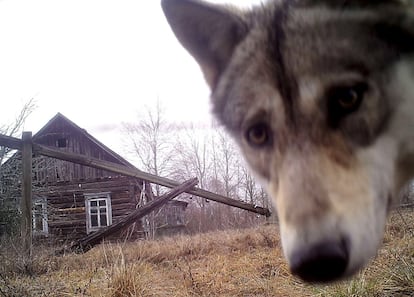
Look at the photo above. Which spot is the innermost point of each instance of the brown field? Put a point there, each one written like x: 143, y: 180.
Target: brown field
x: 227, y: 263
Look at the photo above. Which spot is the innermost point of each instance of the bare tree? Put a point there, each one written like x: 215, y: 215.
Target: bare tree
x: 193, y: 160
x: 184, y: 152
x: 226, y: 162
x: 149, y: 140
x: 10, y: 190
x: 210, y: 155
x: 15, y: 127
x: 231, y: 176
x: 192, y: 155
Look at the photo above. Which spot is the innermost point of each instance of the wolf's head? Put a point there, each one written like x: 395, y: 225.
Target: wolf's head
x: 320, y: 97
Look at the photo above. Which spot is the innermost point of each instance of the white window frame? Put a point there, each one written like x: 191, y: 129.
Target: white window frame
x: 104, y: 196
x: 43, y: 213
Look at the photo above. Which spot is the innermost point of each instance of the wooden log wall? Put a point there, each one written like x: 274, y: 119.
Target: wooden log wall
x: 66, y: 202
x: 89, y: 241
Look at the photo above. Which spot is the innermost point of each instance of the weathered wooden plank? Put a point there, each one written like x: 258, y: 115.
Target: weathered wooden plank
x: 72, y: 196
x: 70, y: 210
x: 90, y: 189
x: 134, y: 172
x: 89, y: 241
x: 71, y: 223
x: 26, y: 202
x: 118, y: 186
x: 64, y: 202
x: 69, y: 233
x: 67, y: 204
x: 11, y: 142
x: 122, y: 200
x: 123, y: 207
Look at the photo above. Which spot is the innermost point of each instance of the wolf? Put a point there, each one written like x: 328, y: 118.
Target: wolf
x: 319, y: 95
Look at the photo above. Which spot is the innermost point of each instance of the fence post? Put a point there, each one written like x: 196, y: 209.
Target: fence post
x: 26, y: 202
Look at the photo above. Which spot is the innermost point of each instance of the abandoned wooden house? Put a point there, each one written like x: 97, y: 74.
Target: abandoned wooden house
x: 72, y: 200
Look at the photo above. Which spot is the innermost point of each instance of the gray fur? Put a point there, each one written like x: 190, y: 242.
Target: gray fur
x: 284, y: 66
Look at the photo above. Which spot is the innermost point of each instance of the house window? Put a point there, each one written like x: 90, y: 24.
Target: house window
x: 39, y: 214
x: 98, y: 211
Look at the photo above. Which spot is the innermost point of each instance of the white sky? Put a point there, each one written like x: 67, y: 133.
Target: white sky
x: 98, y: 62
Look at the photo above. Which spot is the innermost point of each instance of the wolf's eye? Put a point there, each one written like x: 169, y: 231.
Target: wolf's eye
x: 348, y: 99
x: 344, y: 100
x: 258, y: 135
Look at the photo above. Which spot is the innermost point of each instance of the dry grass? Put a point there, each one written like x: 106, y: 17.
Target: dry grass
x: 228, y: 263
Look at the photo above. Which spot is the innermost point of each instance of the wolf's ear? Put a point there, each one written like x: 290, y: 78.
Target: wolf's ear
x: 209, y: 32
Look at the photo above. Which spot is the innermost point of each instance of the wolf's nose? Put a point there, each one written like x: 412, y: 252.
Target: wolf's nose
x: 323, y: 262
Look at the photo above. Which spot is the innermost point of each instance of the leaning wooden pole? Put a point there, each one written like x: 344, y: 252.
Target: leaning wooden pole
x: 10, y: 142
x: 134, y: 172
x: 26, y: 201
x: 91, y: 240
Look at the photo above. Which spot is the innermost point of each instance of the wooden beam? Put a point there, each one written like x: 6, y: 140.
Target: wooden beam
x: 134, y: 172
x: 11, y: 142
x: 91, y: 240
x: 26, y: 202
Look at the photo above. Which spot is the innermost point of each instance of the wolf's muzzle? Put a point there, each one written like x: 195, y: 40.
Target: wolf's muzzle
x: 322, y: 262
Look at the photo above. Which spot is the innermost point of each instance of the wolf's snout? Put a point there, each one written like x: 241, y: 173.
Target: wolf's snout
x: 323, y: 262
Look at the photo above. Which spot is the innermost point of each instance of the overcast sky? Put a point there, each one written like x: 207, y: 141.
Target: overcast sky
x: 98, y: 62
